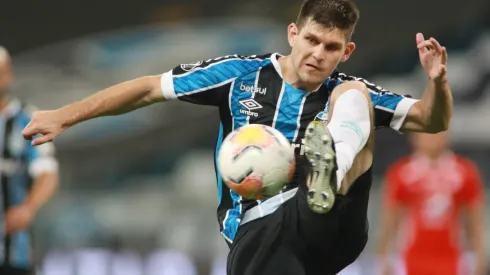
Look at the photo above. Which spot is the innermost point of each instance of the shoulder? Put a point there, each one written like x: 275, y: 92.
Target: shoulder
x: 238, y: 64
x: 339, y: 77
x: 22, y: 111
x: 467, y: 164
x: 19, y: 109
x: 27, y: 110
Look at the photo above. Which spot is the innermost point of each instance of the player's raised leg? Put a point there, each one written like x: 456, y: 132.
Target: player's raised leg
x: 340, y: 152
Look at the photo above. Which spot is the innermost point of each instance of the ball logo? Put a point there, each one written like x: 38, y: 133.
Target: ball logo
x: 250, y: 188
x: 252, y: 135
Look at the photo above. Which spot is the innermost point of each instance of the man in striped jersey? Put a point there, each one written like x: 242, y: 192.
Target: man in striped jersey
x: 318, y: 225
x: 28, y: 177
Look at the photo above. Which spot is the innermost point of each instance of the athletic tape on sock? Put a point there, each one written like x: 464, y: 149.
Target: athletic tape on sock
x: 350, y: 127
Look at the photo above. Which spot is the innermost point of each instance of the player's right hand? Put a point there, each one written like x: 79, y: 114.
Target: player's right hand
x: 433, y: 58
x: 44, y: 127
x: 18, y: 218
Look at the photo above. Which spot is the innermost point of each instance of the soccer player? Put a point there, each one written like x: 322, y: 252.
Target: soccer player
x: 425, y: 195
x: 318, y: 225
x: 28, y: 178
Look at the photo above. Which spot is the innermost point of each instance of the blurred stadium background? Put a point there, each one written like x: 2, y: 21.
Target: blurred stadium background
x: 138, y: 191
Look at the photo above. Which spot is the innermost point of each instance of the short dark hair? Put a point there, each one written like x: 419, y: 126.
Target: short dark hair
x: 341, y: 14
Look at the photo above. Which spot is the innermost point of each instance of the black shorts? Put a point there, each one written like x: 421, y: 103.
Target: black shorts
x: 10, y: 270
x: 296, y: 241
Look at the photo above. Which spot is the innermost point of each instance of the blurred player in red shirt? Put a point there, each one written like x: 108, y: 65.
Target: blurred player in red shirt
x: 424, y: 197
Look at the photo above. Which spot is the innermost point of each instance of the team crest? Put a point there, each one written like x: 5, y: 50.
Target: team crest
x: 190, y: 66
x: 322, y: 116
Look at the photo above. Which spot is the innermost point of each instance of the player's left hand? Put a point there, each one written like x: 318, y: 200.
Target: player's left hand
x: 18, y: 218
x: 46, y: 125
x: 433, y: 58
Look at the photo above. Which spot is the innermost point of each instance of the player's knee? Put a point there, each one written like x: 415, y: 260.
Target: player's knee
x: 351, y: 85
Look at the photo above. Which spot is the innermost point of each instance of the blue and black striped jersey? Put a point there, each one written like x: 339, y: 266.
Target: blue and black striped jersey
x: 20, y: 163
x: 250, y: 89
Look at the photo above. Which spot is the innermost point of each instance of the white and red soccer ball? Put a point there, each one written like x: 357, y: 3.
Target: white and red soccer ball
x: 256, y: 161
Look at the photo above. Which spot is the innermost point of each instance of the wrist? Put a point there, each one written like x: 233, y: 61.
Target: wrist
x: 66, y: 116
x: 439, y: 82
x: 30, y: 206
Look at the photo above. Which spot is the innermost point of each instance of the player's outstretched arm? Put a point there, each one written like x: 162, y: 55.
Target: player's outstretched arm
x: 118, y: 99
x: 433, y: 112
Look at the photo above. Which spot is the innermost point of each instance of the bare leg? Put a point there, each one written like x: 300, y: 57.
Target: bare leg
x: 342, y: 150
x: 364, y: 158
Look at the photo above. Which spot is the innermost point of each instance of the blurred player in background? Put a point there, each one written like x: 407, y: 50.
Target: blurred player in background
x: 28, y: 177
x: 425, y: 195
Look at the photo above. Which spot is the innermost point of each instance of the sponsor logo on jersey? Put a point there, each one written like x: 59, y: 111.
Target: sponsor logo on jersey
x: 300, y: 146
x: 253, y: 89
x: 249, y: 104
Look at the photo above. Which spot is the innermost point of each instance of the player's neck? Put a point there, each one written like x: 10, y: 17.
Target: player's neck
x: 290, y: 76
x: 434, y: 157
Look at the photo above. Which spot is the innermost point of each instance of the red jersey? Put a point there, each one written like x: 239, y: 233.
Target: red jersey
x: 433, y: 194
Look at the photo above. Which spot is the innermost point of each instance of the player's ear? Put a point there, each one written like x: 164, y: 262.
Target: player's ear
x: 292, y: 33
x: 349, y: 49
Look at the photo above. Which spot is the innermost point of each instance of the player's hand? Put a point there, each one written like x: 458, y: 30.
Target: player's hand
x: 433, y: 58
x: 18, y: 218
x: 46, y: 124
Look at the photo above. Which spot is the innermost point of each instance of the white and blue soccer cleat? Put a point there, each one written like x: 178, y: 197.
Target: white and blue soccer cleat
x: 322, y: 178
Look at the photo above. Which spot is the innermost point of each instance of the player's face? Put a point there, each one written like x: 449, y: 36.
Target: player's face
x: 6, y: 76
x: 431, y: 145
x: 317, y: 50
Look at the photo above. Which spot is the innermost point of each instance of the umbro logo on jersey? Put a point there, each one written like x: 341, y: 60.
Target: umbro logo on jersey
x: 250, y: 105
x: 253, y: 89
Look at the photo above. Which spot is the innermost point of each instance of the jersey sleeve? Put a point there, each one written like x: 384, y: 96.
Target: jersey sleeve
x: 390, y: 109
x: 40, y: 159
x: 473, y: 189
x: 206, y: 82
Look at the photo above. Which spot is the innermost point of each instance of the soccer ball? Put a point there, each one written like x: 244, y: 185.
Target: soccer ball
x: 256, y: 161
